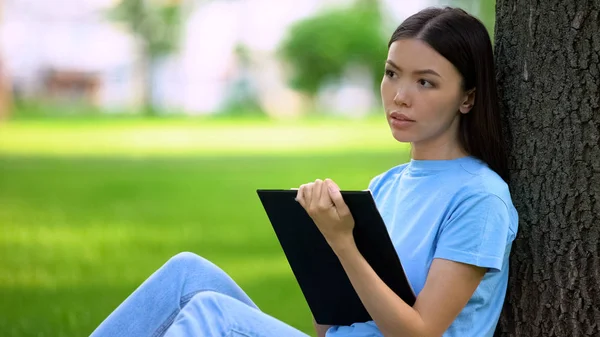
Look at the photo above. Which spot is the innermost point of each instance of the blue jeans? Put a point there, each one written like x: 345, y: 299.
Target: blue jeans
x: 190, y: 296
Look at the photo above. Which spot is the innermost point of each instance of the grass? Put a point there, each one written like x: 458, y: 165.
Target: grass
x: 89, y: 209
x: 181, y: 137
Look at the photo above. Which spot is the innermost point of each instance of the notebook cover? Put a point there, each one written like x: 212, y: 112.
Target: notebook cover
x: 322, y: 280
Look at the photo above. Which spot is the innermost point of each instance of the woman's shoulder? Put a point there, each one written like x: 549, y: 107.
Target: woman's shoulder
x: 480, y: 179
x: 390, y: 174
x: 483, y: 186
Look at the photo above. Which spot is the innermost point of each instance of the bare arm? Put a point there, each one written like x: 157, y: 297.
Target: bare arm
x: 436, y: 307
x: 320, y: 329
x: 448, y: 287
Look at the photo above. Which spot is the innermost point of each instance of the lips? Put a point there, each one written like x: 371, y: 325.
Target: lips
x: 400, y: 117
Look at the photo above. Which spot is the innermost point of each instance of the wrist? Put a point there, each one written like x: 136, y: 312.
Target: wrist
x: 343, y: 245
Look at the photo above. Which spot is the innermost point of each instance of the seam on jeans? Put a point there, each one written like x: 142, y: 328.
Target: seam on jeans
x: 162, y: 329
x: 185, y: 299
x: 238, y: 332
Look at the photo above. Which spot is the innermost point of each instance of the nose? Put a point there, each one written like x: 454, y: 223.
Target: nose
x: 402, y: 97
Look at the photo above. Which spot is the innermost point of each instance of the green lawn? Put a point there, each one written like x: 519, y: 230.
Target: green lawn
x: 89, y: 209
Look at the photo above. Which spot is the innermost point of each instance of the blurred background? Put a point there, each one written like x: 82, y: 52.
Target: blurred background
x: 131, y: 130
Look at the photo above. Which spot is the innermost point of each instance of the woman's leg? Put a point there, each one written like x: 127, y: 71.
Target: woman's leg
x: 213, y: 314
x: 153, y: 306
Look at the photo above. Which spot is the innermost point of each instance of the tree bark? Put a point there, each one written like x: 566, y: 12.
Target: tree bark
x: 548, y: 68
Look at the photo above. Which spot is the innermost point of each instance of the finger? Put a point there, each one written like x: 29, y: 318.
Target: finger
x: 300, y: 195
x: 329, y: 182
x: 338, y: 200
x: 325, y: 199
x: 315, y: 194
x: 308, y: 194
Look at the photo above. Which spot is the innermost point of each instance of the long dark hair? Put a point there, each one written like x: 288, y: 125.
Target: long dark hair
x: 464, y: 41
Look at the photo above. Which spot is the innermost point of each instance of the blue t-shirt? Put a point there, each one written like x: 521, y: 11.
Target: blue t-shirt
x: 458, y: 210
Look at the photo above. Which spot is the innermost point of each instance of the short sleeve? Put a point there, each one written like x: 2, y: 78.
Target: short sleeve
x: 374, y: 183
x: 476, y: 232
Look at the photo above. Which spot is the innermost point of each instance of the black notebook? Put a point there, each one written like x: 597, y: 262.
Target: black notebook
x: 323, y: 281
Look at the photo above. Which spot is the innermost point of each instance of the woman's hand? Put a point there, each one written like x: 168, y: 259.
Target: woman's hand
x: 323, y: 202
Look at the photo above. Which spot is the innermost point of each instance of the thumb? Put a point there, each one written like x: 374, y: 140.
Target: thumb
x: 338, y: 200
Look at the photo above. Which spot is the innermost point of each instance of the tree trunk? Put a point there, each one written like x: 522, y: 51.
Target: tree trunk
x: 147, y: 63
x: 548, y: 62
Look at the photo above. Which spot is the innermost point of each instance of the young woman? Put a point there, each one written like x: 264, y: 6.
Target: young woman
x: 448, y: 211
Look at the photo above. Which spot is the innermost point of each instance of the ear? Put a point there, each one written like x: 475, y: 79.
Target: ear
x: 468, y: 102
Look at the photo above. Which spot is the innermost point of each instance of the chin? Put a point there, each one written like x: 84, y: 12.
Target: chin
x: 402, y: 137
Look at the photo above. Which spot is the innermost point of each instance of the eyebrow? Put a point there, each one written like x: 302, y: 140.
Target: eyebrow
x: 419, y: 72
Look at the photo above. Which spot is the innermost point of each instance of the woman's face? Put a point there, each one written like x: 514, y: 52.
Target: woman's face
x: 422, y: 95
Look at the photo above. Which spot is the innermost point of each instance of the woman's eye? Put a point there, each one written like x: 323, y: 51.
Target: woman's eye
x: 426, y: 83
x: 389, y: 73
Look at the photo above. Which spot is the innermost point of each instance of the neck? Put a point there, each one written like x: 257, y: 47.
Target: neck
x: 441, y: 148
x: 437, y: 154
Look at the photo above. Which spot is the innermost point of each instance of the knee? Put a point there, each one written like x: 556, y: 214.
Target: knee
x: 211, y: 301
x: 187, y: 260
x: 213, y: 310
x: 209, y: 296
